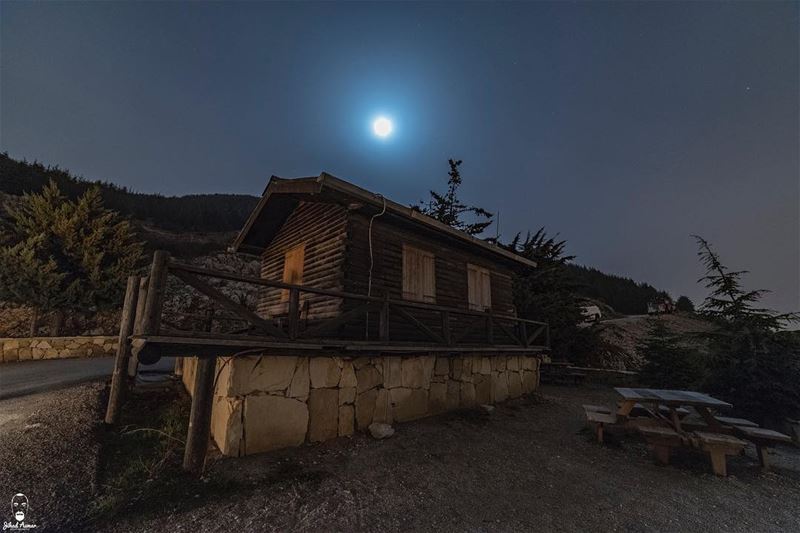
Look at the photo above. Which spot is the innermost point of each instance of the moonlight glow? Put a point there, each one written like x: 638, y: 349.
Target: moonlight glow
x: 382, y: 127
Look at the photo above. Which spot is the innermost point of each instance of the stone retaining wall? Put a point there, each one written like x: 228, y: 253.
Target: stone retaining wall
x: 270, y: 402
x: 24, y: 349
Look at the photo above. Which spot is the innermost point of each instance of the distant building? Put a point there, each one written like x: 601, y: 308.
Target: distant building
x: 660, y: 306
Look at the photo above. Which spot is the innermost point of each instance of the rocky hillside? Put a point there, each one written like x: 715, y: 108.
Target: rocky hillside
x: 625, y: 333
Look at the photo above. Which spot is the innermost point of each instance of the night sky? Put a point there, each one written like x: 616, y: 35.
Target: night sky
x: 624, y: 127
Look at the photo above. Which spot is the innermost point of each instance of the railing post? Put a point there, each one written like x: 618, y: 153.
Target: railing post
x: 547, y: 334
x: 383, y: 321
x: 117, y: 394
x: 294, y: 312
x: 489, y: 327
x: 446, y: 328
x: 151, y: 321
x: 133, y: 362
x: 523, y: 334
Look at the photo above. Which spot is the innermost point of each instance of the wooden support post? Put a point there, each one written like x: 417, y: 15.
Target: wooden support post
x: 718, y: 462
x: 763, y: 459
x: 489, y: 328
x: 118, y: 382
x: 523, y: 334
x: 194, y: 456
x: 294, y: 312
x: 662, y: 453
x: 133, y: 362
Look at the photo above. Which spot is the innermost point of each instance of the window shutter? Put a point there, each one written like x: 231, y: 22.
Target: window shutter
x: 419, y: 275
x: 293, y: 268
x: 479, y: 288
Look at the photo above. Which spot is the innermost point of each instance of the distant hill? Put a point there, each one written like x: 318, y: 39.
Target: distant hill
x: 623, y: 294
x: 200, y: 224
x: 195, y: 212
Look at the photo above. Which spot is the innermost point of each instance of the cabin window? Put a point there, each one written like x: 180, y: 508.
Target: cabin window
x: 419, y: 275
x: 479, y: 288
x: 293, y: 268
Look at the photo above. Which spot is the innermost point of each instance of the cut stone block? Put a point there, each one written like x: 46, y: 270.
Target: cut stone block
x: 226, y: 425
x: 346, y: 420
x: 414, y: 373
x: 348, y: 378
x: 408, y: 404
x: 325, y: 372
x: 467, y: 395
x: 365, y: 408
x: 437, y: 399
x: 273, y: 422
x: 368, y: 377
x: 392, y: 372
x: 300, y: 381
x: 323, y: 414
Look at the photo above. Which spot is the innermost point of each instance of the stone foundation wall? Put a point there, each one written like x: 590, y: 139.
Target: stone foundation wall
x: 24, y: 349
x: 270, y: 402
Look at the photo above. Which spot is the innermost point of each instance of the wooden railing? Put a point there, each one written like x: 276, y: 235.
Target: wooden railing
x: 373, y: 320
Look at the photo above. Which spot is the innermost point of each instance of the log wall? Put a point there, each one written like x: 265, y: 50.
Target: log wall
x: 322, y: 227
x: 388, y: 237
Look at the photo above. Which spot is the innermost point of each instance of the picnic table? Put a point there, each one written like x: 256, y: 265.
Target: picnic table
x: 673, y: 400
x: 664, y: 430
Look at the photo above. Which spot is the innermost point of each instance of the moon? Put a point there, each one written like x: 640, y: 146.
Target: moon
x: 382, y: 127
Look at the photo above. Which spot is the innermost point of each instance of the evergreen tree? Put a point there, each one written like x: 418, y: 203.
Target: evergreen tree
x: 754, y: 364
x: 669, y: 365
x: 548, y: 294
x: 60, y: 255
x: 684, y: 304
x: 447, y: 208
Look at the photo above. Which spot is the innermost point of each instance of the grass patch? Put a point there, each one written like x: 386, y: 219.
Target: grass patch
x: 140, y: 464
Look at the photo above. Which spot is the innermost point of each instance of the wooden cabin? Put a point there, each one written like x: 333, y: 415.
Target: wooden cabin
x: 326, y: 233
x: 368, y: 312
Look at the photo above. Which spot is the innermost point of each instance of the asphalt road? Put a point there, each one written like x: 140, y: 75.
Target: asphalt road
x: 29, y: 377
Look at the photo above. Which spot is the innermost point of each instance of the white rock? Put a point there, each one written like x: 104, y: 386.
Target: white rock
x: 381, y: 431
x: 487, y: 408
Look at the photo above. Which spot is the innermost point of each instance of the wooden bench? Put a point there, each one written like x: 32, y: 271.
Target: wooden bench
x: 718, y: 446
x: 599, y: 416
x: 740, y: 422
x: 763, y: 439
x: 661, y: 439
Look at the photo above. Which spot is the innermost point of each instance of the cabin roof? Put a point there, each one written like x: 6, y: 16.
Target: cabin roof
x: 281, y: 196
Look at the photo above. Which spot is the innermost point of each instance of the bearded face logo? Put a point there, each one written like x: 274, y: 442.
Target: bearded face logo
x: 19, y: 507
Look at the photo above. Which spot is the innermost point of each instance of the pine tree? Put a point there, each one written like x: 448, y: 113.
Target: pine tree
x: 447, y: 208
x: 549, y: 294
x: 59, y: 255
x: 684, y: 304
x: 754, y: 363
x: 668, y: 365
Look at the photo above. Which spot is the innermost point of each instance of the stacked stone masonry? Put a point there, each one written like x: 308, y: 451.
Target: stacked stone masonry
x: 271, y: 402
x: 25, y: 349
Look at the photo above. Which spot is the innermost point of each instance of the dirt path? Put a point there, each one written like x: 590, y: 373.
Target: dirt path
x: 527, y: 466
x: 49, y: 451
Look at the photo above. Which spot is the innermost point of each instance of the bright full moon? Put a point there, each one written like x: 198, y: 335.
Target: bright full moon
x: 382, y: 127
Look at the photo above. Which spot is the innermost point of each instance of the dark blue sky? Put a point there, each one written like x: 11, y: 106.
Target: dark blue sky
x: 625, y: 127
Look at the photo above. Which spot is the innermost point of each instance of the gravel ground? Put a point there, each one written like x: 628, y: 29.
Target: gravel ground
x: 528, y: 465
x: 49, y: 451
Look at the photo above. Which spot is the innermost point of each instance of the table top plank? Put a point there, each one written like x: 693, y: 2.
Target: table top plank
x: 670, y: 397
